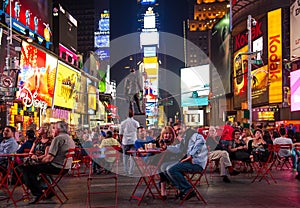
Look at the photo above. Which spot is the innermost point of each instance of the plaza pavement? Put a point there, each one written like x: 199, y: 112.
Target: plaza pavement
x: 239, y: 193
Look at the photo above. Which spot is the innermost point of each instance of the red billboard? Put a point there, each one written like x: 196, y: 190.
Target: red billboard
x: 37, y: 77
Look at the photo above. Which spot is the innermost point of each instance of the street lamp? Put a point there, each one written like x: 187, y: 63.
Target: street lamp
x: 250, y: 21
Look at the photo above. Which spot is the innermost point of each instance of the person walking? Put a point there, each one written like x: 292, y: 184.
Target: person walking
x: 128, y: 135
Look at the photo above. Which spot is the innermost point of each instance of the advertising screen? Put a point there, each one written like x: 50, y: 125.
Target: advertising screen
x: 221, y: 52
x: 92, y: 97
x: 194, y: 92
x: 149, y: 38
x: 260, y: 85
x: 275, y: 56
x: 149, y: 21
x: 82, y: 96
x: 149, y: 51
x: 147, y: 2
x: 240, y: 70
x: 67, y: 86
x: 295, y: 29
x: 32, y: 15
x: 101, y: 41
x: 295, y: 90
x: 37, y: 75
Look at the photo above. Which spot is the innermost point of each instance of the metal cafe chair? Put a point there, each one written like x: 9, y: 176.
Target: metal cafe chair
x: 97, y: 184
x: 53, y: 183
x: 283, y: 160
x: 263, y: 168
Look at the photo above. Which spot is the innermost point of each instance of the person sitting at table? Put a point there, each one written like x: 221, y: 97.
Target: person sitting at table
x: 52, y: 162
x: 238, y: 148
x: 195, y: 161
x: 109, y: 141
x: 8, y: 146
x: 143, y: 140
x: 166, y: 139
x: 30, y: 135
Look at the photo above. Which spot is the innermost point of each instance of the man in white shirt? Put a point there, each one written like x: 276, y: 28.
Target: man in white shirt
x: 128, y: 134
x: 283, y: 140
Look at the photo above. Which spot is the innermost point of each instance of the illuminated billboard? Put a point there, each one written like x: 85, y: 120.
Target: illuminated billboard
x: 260, y: 85
x: 220, y: 56
x: 275, y: 56
x: 194, y: 86
x: 149, y: 38
x: 67, y: 86
x: 240, y: 70
x: 37, y: 76
x: 149, y: 51
x: 101, y: 41
x: 149, y: 21
x: 66, y: 28
x: 295, y: 29
x: 30, y: 15
x: 81, y: 106
x: 92, y: 97
x: 295, y: 90
x: 147, y: 2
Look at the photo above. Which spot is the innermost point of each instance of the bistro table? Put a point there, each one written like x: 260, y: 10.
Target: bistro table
x: 5, y: 183
x: 148, y: 170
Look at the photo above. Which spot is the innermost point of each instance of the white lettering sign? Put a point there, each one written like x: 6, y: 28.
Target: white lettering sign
x: 30, y: 99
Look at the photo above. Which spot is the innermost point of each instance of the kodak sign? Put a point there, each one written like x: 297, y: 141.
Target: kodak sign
x: 275, y: 56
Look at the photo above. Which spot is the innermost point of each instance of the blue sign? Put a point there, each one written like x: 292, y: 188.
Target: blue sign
x: 145, y: 2
x: 101, y: 41
x: 103, y: 54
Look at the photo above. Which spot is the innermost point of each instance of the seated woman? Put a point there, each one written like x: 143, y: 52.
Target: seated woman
x: 238, y: 148
x: 41, y: 145
x: 166, y: 138
x: 257, y: 148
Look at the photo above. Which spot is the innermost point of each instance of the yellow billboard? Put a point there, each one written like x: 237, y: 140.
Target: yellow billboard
x: 240, y: 70
x: 92, y: 98
x: 275, y: 56
x: 67, y: 86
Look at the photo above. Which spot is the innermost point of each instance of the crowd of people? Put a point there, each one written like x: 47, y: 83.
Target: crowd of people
x: 188, y: 150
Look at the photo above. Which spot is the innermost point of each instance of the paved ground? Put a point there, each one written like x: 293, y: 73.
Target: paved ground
x: 239, y: 193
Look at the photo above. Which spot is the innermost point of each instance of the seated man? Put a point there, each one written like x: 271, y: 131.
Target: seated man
x: 52, y: 162
x: 222, y: 156
x: 7, y: 146
x: 142, y: 139
x: 195, y: 161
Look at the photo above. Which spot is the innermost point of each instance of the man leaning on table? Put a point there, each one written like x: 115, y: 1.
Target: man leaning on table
x: 7, y: 146
x: 52, y: 162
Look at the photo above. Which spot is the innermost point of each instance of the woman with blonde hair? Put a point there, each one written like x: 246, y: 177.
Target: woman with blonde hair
x: 247, y: 135
x: 166, y: 138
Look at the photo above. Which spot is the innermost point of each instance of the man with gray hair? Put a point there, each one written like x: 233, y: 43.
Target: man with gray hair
x: 53, y: 162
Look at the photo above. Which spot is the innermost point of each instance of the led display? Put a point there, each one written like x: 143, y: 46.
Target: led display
x: 37, y: 75
x: 67, y: 86
x: 194, y: 92
x: 295, y: 90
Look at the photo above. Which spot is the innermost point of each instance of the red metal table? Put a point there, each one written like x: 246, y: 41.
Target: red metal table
x: 5, y: 183
x: 148, y: 171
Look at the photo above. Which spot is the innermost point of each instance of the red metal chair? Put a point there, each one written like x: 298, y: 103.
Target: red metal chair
x: 97, y: 184
x: 52, y: 184
x: 195, y: 180
x: 263, y: 169
x: 283, y: 160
